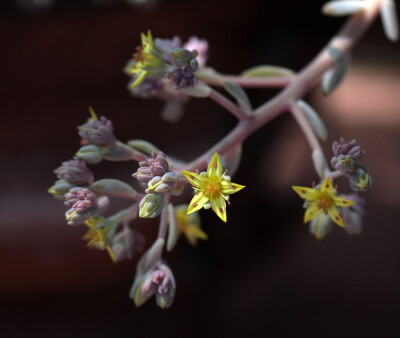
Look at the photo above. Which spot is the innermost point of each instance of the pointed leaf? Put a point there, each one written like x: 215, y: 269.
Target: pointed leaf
x: 240, y: 95
x: 199, y: 90
x: 334, y: 76
x: 343, y: 8
x: 389, y: 19
x: 143, y: 146
x: 315, y: 121
x: 319, y: 162
x: 267, y: 71
x: 151, y: 256
x: 113, y: 186
x: 173, y: 231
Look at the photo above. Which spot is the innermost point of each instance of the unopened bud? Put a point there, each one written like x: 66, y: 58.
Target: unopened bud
x: 80, y: 199
x: 91, y: 154
x: 201, y: 46
x: 74, y: 217
x: 161, y: 282
x: 60, y: 188
x: 75, y: 171
x: 360, y: 180
x: 98, y: 132
x: 321, y: 226
x: 182, y: 56
x: 120, y: 152
x: 151, y: 206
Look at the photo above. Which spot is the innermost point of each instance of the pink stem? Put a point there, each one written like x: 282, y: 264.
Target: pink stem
x: 299, y: 86
x: 226, y: 103
x: 162, y: 230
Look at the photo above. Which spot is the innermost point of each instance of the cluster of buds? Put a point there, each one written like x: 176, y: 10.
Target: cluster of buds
x: 98, y: 132
x: 347, y: 156
x: 75, y: 171
x: 155, y: 173
x: 126, y: 243
x: 84, y: 204
x: 161, y: 283
x: 71, y: 174
x: 100, y: 143
x: 182, y: 72
x: 80, y: 199
x: 88, y: 199
x: 74, y: 176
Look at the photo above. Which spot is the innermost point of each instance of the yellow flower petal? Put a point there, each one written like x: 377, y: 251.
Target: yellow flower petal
x: 214, y: 169
x: 111, y: 253
x: 305, y: 193
x: 194, y: 179
x: 230, y: 187
x: 342, y: 202
x: 312, y: 212
x: 139, y: 79
x: 219, y: 206
x: 327, y: 186
x: 197, y: 202
x: 334, y: 215
x: 192, y: 233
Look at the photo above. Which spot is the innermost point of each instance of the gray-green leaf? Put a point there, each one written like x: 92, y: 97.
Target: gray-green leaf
x: 389, y: 19
x: 240, y: 95
x: 150, y: 258
x: 173, y: 231
x: 334, y: 76
x: 199, y: 90
x: 113, y: 186
x: 267, y: 71
x: 343, y: 7
x: 315, y: 120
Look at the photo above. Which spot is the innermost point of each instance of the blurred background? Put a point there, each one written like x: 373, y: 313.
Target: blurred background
x: 262, y: 274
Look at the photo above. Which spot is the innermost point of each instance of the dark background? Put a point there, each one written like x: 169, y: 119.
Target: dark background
x: 262, y: 274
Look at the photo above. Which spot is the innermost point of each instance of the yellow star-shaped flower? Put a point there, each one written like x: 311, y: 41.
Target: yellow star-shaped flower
x: 147, y: 60
x: 96, y: 238
x: 322, y: 200
x: 212, y: 188
x: 189, y: 225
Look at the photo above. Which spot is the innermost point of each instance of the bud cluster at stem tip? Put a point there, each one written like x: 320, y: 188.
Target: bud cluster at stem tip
x: 346, y: 159
x: 155, y: 173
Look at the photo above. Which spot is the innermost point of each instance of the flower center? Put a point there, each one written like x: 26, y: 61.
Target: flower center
x: 324, y: 201
x: 212, y: 189
x: 138, y: 56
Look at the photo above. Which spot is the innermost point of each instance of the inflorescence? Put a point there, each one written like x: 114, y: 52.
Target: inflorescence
x: 173, y: 71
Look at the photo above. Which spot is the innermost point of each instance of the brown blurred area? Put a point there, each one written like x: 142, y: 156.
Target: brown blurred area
x: 262, y: 274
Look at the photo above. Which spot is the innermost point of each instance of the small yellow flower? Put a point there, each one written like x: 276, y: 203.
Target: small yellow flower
x: 147, y: 60
x: 212, y: 188
x: 96, y: 238
x: 322, y: 200
x: 189, y: 225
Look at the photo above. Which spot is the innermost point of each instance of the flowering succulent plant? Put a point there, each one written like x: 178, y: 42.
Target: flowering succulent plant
x: 173, y: 71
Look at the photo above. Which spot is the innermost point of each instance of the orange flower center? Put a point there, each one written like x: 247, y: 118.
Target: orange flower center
x: 324, y: 201
x: 212, y: 189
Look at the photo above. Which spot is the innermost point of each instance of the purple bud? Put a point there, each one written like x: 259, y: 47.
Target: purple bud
x: 75, y: 171
x: 98, y: 132
x: 156, y: 165
x: 159, y: 282
x: 80, y: 199
x: 347, y: 155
